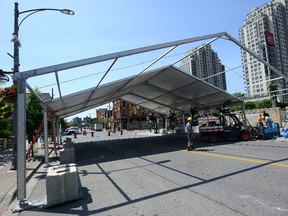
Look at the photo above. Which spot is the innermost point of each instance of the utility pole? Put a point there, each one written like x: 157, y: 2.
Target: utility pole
x: 15, y: 70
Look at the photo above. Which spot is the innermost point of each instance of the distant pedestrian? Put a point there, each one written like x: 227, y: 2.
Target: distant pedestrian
x: 260, y: 119
x: 190, y: 134
x: 265, y: 114
x: 268, y: 121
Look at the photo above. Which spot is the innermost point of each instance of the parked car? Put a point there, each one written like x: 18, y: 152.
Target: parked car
x: 71, y: 130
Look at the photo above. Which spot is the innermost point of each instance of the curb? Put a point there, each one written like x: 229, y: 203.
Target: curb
x: 12, y: 194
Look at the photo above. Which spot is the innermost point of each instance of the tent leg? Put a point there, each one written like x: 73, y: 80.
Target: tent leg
x: 46, y: 135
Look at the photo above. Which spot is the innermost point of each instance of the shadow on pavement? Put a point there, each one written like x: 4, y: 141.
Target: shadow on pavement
x: 110, y: 150
x: 97, y: 152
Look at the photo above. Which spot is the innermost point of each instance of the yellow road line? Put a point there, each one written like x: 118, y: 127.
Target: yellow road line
x: 270, y: 163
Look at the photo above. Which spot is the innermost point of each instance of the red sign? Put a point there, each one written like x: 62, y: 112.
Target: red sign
x: 269, y: 38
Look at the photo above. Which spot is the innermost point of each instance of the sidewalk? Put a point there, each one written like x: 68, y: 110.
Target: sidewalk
x: 8, y: 177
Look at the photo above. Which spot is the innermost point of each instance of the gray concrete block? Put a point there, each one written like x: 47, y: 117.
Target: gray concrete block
x: 68, y: 143
x: 62, y: 184
x: 67, y: 155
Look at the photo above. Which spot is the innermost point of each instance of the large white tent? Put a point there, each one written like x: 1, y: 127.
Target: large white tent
x: 163, y: 90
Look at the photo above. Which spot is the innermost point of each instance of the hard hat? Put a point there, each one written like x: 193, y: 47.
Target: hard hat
x: 189, y: 118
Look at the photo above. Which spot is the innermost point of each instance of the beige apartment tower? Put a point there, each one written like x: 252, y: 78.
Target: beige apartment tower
x: 206, y: 65
x: 265, y: 32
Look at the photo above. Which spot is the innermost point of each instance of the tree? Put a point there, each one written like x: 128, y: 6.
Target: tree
x: 236, y: 108
x: 249, y: 105
x: 261, y: 104
x: 5, y: 118
x: 273, y: 90
x: 239, y: 94
x: 34, y: 113
x: 266, y: 103
x: 282, y: 105
x: 64, y: 124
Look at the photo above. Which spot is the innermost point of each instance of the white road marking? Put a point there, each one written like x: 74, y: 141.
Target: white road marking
x: 264, y: 203
x: 234, y: 147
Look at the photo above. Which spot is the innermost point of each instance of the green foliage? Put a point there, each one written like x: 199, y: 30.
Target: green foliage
x: 249, y: 105
x: 98, y: 121
x: 236, y: 108
x: 239, y: 94
x: 266, y: 103
x: 5, y: 110
x: 64, y: 124
x: 273, y: 90
x: 34, y: 113
x: 217, y: 113
x: 282, y: 105
x: 5, y: 118
x: 5, y: 128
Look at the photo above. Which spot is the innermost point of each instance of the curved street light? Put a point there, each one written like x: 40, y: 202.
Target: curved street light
x: 17, y: 25
x: 64, y: 11
x: 16, y: 61
x: 3, y: 74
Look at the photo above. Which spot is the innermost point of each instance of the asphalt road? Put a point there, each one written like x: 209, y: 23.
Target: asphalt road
x: 139, y: 175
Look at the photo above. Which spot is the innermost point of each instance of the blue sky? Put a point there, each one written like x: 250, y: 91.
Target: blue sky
x: 102, y: 27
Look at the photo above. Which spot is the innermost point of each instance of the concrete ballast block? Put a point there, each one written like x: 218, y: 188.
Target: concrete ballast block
x: 67, y: 155
x: 68, y: 143
x: 62, y: 184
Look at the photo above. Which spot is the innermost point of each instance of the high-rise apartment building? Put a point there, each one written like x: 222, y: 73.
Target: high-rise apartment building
x: 265, y: 32
x: 206, y: 65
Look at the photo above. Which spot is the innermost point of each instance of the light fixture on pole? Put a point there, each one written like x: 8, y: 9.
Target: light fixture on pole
x: 15, y: 38
x: 16, y: 62
x: 3, y: 77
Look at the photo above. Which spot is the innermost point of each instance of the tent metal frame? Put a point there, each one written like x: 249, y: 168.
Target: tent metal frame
x: 22, y: 77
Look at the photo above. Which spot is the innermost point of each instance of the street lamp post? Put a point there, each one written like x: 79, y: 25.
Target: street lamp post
x: 19, y: 139
x: 16, y: 62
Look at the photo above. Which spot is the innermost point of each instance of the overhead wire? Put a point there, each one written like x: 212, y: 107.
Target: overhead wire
x: 97, y: 73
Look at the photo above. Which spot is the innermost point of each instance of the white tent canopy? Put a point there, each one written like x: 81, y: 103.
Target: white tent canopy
x: 163, y: 90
